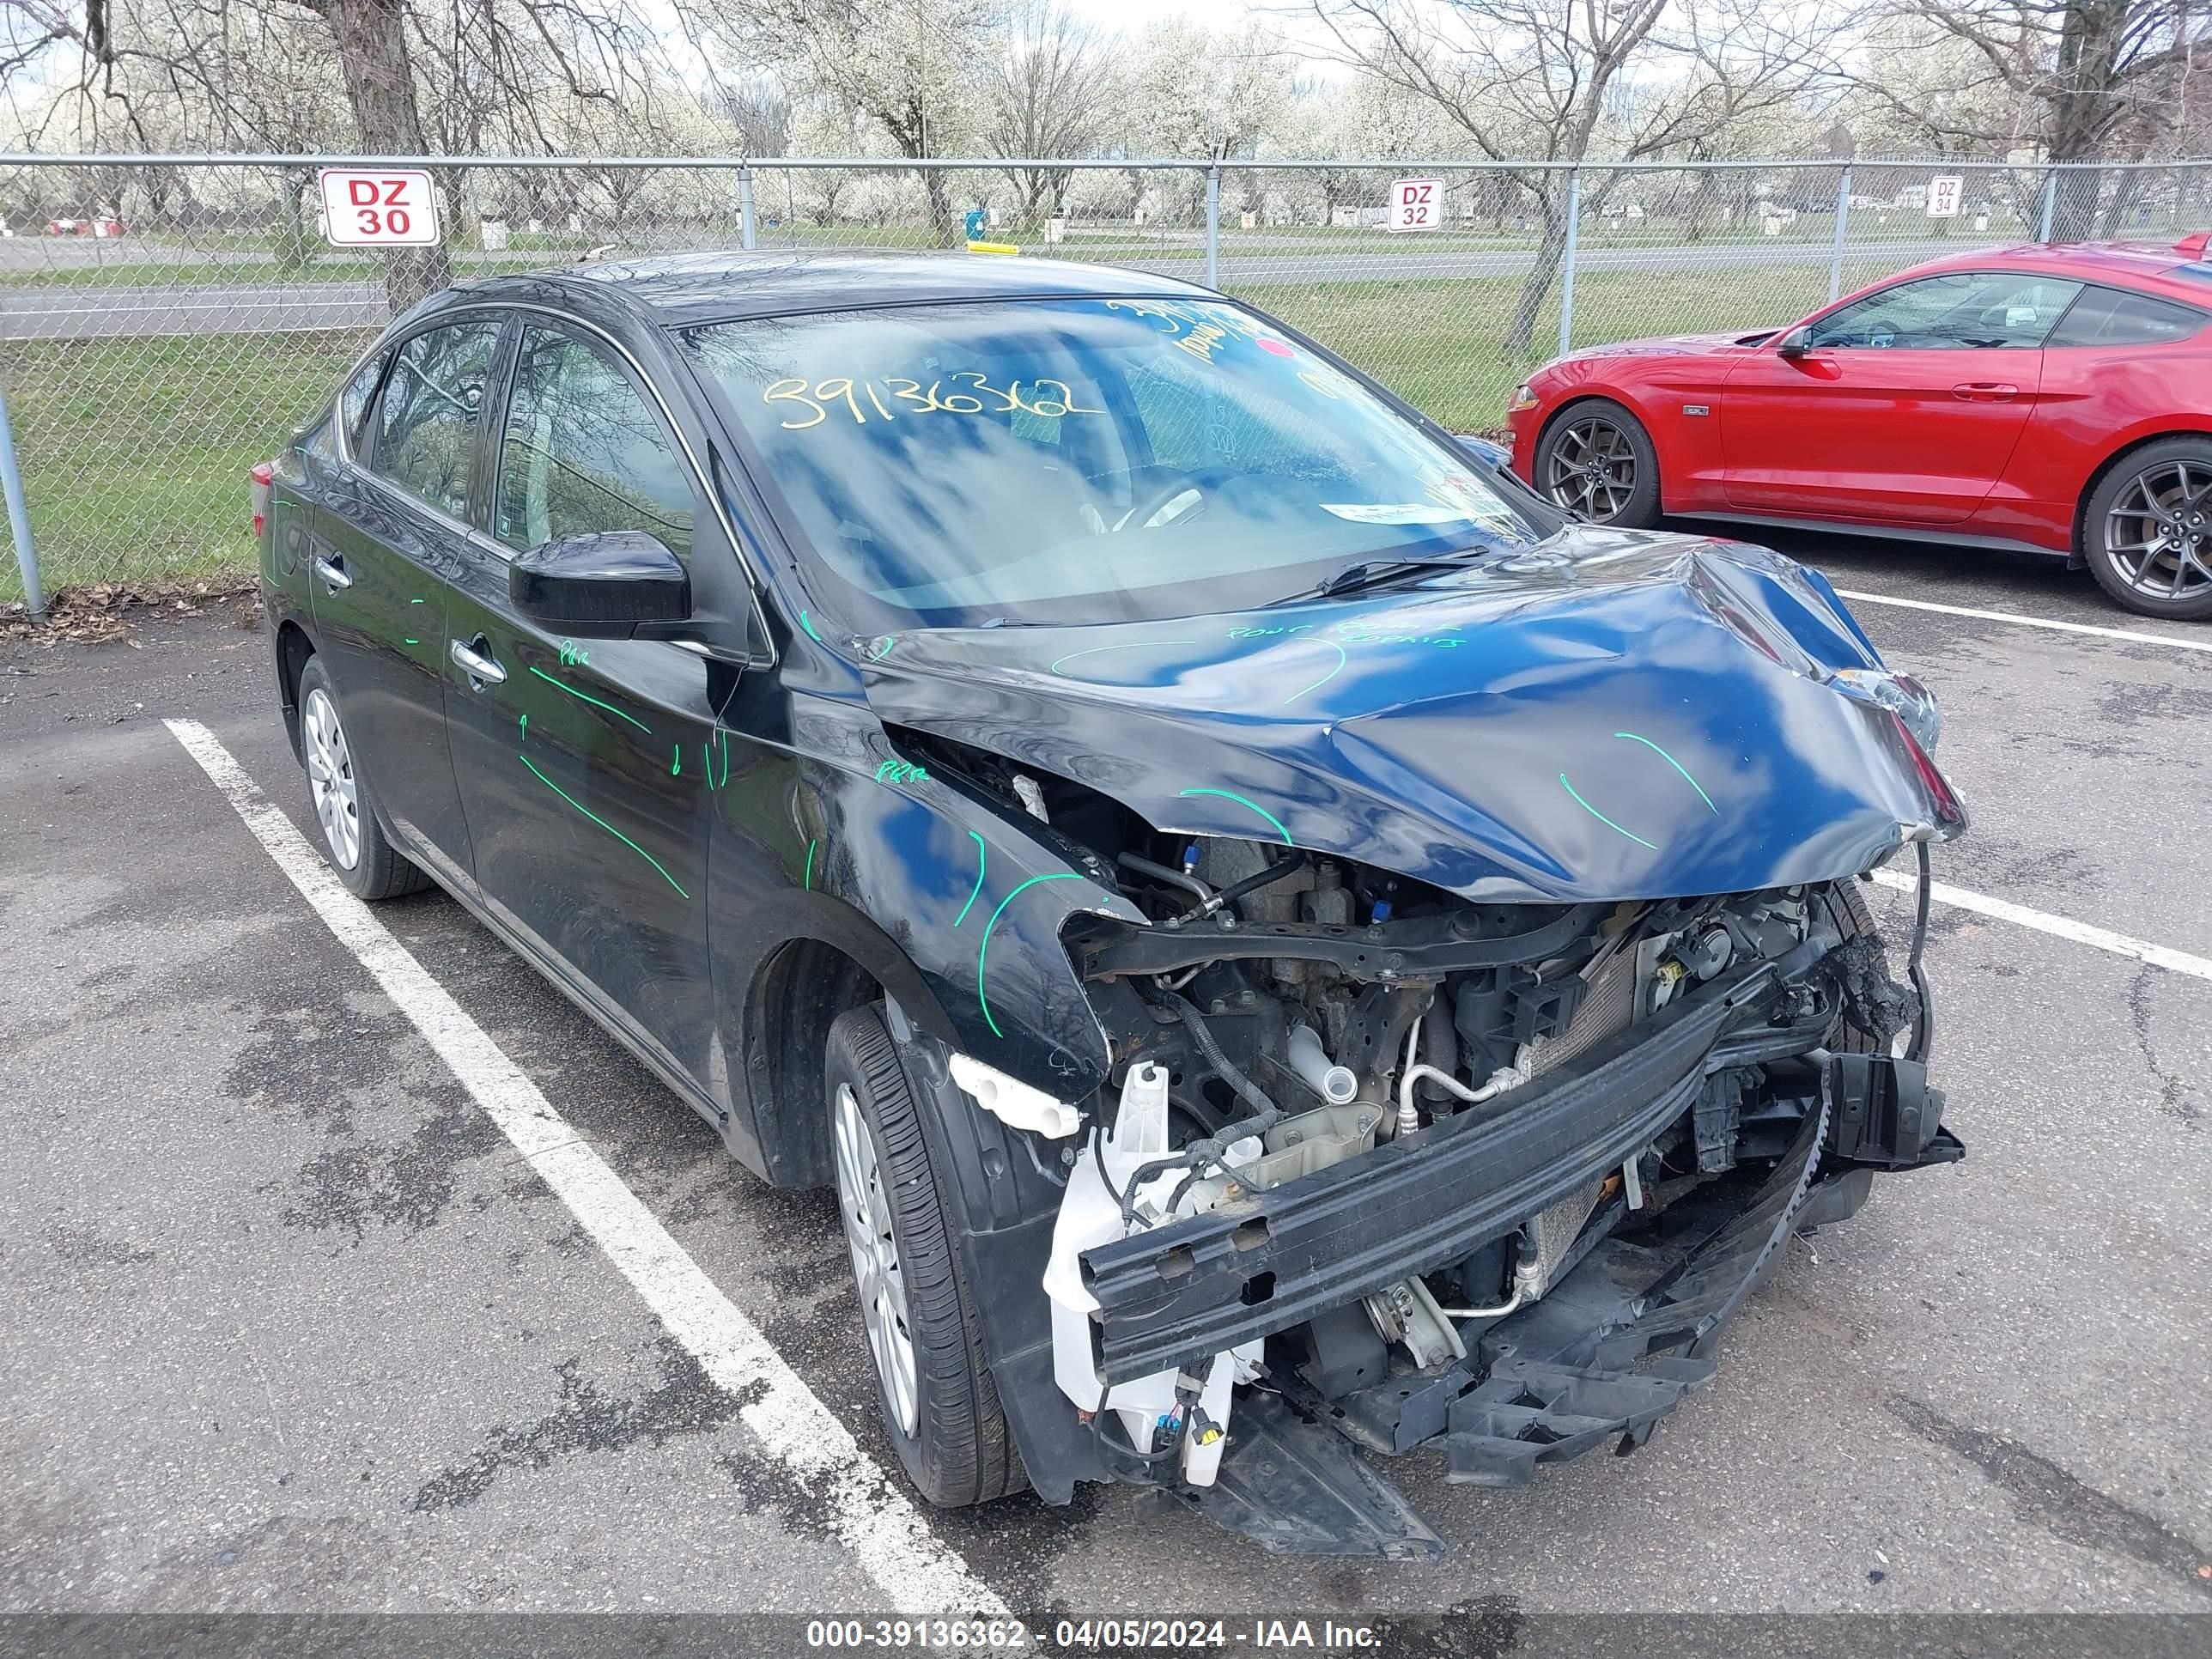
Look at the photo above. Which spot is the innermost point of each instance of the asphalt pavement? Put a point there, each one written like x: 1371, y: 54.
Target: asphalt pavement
x: 293, y: 1325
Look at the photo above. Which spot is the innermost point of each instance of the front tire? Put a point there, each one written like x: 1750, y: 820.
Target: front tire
x: 354, y: 841
x: 2147, y: 530
x: 1596, y: 461
x: 939, y: 1404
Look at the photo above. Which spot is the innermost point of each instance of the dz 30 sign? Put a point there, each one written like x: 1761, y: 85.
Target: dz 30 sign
x: 386, y: 207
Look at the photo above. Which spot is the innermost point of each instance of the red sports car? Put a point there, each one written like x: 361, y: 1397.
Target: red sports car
x: 2052, y: 398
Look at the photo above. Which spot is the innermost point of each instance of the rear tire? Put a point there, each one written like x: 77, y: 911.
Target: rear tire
x: 1596, y: 461
x: 2147, y: 530
x: 353, y: 842
x: 940, y: 1406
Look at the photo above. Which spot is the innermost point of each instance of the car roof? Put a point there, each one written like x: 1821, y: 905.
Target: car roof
x: 681, y: 289
x: 2153, y: 267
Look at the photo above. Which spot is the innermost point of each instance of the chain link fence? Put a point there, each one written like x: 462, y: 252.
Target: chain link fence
x: 165, y: 322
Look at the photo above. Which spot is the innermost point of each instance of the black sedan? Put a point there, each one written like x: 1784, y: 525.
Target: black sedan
x: 1273, y: 935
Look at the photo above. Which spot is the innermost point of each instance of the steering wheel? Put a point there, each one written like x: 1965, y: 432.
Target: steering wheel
x: 1180, y: 497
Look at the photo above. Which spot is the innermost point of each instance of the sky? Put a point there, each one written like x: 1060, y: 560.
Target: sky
x: 1134, y: 17
x: 1136, y: 14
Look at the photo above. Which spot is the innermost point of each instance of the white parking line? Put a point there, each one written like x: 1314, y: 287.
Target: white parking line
x: 916, y: 1570
x: 2132, y: 636
x: 2082, y: 933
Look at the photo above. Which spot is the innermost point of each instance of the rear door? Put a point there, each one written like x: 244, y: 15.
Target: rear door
x: 389, y: 534
x: 586, y: 766
x: 1902, y: 406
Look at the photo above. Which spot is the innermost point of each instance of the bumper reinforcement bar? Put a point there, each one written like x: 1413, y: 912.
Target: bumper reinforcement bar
x: 1270, y: 1260
x: 1565, y: 1377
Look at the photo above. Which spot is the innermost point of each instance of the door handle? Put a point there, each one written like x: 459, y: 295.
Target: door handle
x: 332, y: 571
x: 1985, y: 391
x: 476, y: 663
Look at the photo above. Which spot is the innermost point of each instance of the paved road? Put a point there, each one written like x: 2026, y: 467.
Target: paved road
x: 69, y: 313
x: 128, y: 312
x: 292, y: 1327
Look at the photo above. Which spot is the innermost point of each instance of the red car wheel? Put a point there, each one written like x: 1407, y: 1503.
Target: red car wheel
x: 1595, y: 460
x: 2147, y: 532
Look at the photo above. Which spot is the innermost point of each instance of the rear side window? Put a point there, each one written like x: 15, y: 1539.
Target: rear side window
x: 355, y: 401
x: 581, y: 452
x: 426, y: 422
x: 2114, y: 317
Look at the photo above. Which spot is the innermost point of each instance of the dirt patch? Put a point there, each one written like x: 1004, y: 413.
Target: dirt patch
x: 110, y: 611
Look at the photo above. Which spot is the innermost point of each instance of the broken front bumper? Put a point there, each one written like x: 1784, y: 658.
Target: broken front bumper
x: 1613, y: 1345
x: 1172, y: 1296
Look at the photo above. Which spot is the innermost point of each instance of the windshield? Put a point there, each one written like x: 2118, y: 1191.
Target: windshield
x: 1083, y: 460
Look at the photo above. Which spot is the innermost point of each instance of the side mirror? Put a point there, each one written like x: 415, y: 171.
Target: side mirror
x: 1795, y: 344
x: 608, y: 585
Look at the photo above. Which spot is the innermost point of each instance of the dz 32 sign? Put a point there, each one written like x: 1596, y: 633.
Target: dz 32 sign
x: 1416, y: 204
x: 383, y: 207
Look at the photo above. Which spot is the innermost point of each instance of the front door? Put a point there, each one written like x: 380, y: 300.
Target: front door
x: 389, y: 534
x: 1902, y: 406
x: 586, y: 766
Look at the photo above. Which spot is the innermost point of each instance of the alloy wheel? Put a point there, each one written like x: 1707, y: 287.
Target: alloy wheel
x: 2158, y: 533
x: 865, y: 1207
x: 1591, y: 470
x: 330, y: 777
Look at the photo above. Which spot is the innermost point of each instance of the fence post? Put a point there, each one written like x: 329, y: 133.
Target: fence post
x: 2049, y: 203
x: 1213, y: 225
x: 748, y: 229
x: 1567, y: 273
x: 1843, y: 220
x: 19, y: 516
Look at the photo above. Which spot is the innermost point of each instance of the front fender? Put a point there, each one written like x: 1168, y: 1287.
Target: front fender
x: 970, y: 896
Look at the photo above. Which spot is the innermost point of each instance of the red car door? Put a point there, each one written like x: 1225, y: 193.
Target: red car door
x: 1902, y: 406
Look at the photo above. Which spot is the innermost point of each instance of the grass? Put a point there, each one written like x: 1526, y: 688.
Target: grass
x: 135, y: 453
x: 1439, y: 343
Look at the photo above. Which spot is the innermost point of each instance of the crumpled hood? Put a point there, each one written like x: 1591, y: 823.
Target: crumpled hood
x: 1610, y: 715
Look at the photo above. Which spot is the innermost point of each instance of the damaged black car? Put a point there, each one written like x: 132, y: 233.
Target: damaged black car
x: 1290, y: 953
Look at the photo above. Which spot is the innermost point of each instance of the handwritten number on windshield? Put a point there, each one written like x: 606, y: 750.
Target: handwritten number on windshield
x: 1048, y: 399
x: 795, y: 392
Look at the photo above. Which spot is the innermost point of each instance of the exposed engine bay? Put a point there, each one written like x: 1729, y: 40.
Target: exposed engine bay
x: 1285, y: 1015
x: 1377, y: 1166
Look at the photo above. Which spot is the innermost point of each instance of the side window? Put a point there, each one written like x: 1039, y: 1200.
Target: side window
x: 426, y: 422
x: 354, y: 402
x: 581, y: 452
x: 2113, y: 317
x: 1951, y: 314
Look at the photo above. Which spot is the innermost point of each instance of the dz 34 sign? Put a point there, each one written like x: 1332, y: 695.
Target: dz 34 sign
x: 383, y: 206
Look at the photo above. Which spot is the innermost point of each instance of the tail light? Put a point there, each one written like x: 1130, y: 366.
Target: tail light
x: 263, y: 476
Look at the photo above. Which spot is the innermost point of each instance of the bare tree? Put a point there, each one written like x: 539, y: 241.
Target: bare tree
x: 1572, y: 81
x: 907, y: 65
x: 1050, y: 89
x: 481, y: 69
x: 759, y: 109
x: 2085, y: 78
